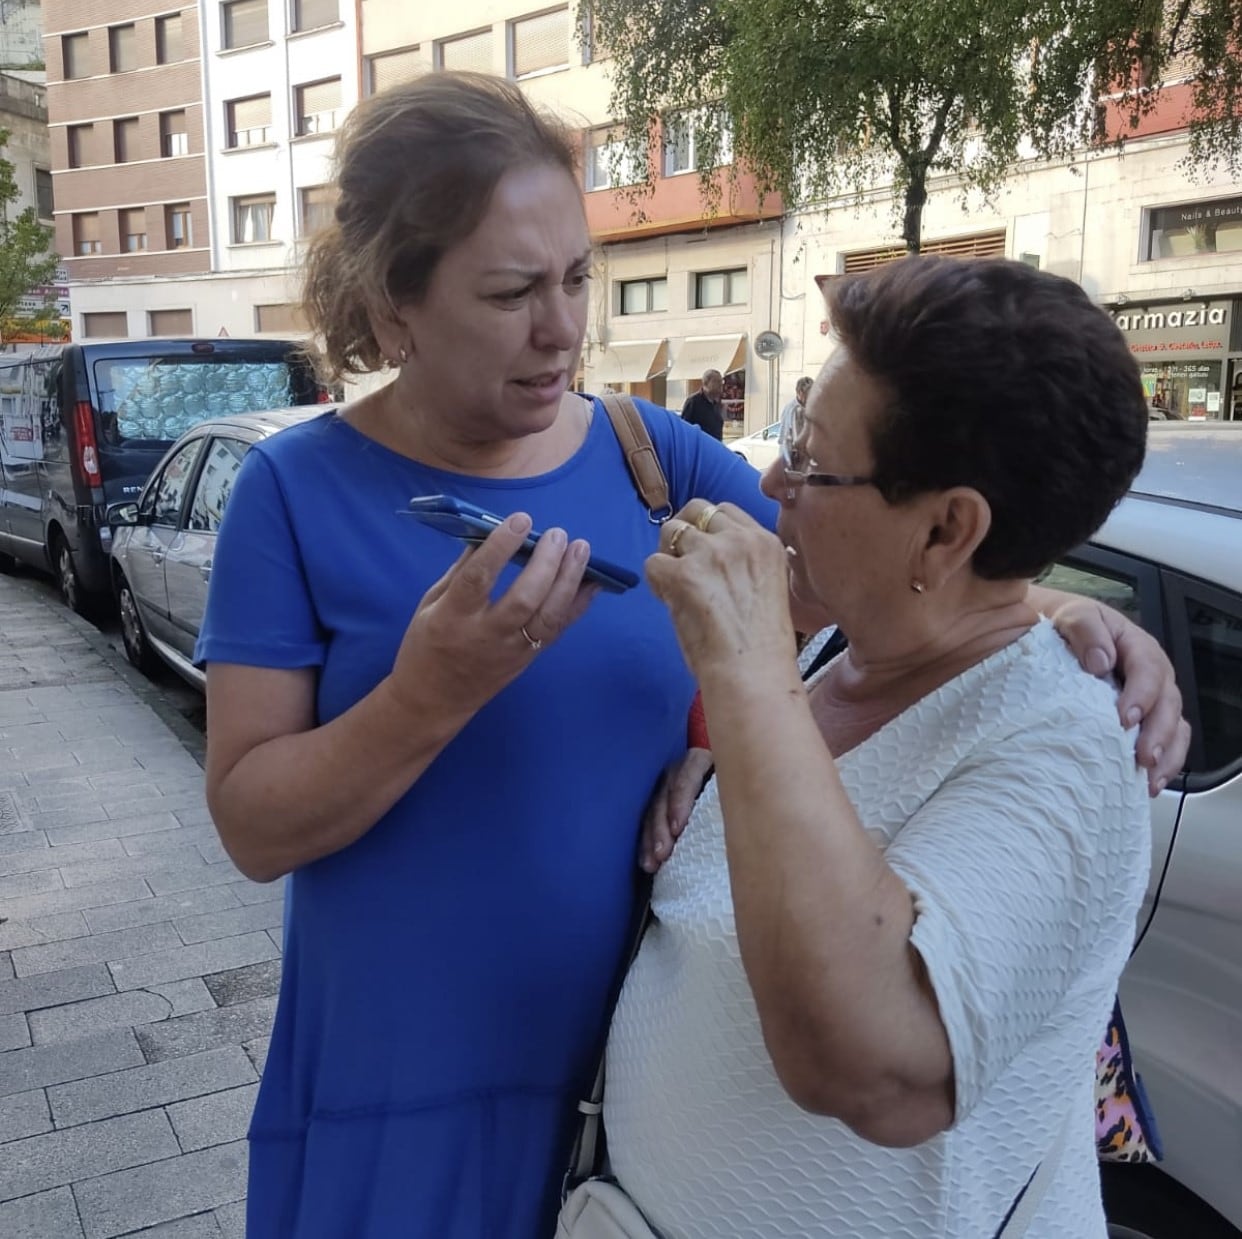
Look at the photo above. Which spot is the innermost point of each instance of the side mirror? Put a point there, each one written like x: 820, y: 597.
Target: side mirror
x: 120, y: 514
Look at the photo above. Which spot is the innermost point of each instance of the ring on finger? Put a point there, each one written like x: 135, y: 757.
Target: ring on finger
x: 534, y: 643
x: 675, y: 538
x: 705, y: 518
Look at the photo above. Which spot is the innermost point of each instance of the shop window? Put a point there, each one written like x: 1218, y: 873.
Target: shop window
x: 394, y: 68
x: 75, y: 54
x: 471, y: 52
x: 610, y: 163
x: 317, y: 107
x: 252, y: 218
x: 177, y: 226
x: 643, y: 296
x: 1185, y: 390
x: 1213, y: 227
x: 132, y: 224
x: 685, y: 136
x: 248, y: 121
x: 713, y: 289
x: 539, y: 43
x: 311, y: 14
x: 106, y: 324
x: 169, y: 40
x: 245, y: 22
x: 170, y: 322
x: 123, y: 48
x: 86, y: 239
x: 316, y: 208
x: 81, y: 145
x: 125, y: 139
x: 174, y: 140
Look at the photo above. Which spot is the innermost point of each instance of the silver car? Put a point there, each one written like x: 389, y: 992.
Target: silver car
x: 162, y: 545
x: 1170, y: 556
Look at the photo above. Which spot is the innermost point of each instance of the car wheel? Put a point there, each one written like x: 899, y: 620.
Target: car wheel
x: 1142, y: 1202
x: 133, y: 635
x: 71, y: 590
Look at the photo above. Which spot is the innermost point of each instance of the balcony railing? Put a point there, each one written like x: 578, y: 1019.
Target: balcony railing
x: 318, y: 122
x: 174, y: 144
x: 256, y: 135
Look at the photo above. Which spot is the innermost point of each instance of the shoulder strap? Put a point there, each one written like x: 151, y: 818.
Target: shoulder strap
x: 640, y: 456
x: 1024, y: 1206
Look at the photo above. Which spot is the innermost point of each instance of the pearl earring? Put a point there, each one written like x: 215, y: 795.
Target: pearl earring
x: 917, y: 586
x: 403, y: 354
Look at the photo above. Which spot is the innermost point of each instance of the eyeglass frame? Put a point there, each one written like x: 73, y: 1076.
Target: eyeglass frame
x: 802, y: 477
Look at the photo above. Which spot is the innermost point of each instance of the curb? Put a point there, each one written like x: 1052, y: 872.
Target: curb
x: 192, y: 740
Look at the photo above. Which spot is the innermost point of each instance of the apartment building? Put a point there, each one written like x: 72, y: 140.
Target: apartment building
x: 226, y: 110
x: 677, y: 291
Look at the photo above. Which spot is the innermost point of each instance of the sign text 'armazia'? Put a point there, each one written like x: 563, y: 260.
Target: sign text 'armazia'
x: 1154, y: 320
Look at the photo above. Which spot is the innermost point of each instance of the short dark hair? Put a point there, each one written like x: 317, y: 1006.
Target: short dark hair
x: 416, y: 167
x: 1005, y: 379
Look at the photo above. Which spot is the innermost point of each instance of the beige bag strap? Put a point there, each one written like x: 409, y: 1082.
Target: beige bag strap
x: 640, y: 456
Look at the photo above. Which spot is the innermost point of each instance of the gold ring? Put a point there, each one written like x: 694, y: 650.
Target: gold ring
x: 531, y: 641
x: 705, y: 517
x: 675, y: 537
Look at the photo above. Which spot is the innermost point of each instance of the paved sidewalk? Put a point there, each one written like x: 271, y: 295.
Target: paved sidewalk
x: 138, y: 968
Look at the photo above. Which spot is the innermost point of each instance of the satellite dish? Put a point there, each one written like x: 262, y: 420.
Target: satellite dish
x: 769, y: 345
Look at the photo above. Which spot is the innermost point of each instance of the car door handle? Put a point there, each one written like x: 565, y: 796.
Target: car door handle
x: 205, y: 569
x: 157, y: 555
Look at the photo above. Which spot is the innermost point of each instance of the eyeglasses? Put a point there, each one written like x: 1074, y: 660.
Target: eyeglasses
x: 798, y: 465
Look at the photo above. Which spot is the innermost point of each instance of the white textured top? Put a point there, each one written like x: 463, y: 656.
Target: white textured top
x: 1009, y: 803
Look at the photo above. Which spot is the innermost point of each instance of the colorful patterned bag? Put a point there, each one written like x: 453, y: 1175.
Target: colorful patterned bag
x: 1125, y: 1127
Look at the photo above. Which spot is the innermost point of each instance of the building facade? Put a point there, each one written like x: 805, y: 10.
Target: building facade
x: 228, y: 108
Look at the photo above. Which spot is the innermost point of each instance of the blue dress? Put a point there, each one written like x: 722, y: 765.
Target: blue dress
x: 446, y: 976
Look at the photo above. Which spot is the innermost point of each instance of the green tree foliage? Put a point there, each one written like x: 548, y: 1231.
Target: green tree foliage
x: 26, y: 257
x: 826, y: 96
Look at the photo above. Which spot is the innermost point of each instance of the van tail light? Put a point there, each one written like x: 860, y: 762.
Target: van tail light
x: 88, y: 458
x: 324, y: 397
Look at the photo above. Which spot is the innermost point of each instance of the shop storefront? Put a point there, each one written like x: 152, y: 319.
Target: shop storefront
x: 1190, y: 355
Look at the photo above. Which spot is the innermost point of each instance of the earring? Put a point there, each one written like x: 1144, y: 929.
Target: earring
x: 917, y: 586
x: 403, y: 354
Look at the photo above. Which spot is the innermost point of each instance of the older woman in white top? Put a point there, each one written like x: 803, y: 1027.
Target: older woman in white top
x: 887, y: 945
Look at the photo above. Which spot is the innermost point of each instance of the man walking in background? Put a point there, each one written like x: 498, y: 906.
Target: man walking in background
x: 798, y: 403
x: 704, y: 409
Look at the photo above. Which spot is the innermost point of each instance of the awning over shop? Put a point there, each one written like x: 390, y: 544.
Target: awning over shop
x: 695, y: 354
x: 630, y: 361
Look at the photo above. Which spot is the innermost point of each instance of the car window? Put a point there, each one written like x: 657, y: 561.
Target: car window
x: 1116, y: 590
x: 1216, y: 652
x: 169, y: 492
x: 215, y: 484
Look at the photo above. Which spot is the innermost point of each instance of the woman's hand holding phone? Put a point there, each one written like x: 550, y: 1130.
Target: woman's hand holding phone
x: 461, y: 647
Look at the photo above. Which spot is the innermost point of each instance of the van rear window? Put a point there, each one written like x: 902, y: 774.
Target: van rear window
x: 160, y: 398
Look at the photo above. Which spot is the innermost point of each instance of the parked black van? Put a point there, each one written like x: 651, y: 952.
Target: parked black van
x: 83, y: 426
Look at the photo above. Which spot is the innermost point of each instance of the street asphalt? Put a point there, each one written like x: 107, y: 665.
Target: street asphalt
x: 138, y: 968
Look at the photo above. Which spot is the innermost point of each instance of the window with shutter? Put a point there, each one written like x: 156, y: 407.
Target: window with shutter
x: 177, y: 233
x: 173, y: 137
x: 122, y: 48
x: 286, y: 319
x: 394, y: 68
x: 133, y: 229
x: 81, y: 145
x: 170, y: 322
x: 540, y: 42
x: 318, y: 106
x: 86, y: 234
x: 470, y: 52
x: 249, y: 121
x: 252, y: 218
x: 108, y: 323
x: 309, y: 14
x: 169, y: 43
x: 245, y: 22
x: 316, y: 206
x: 977, y: 245
x: 75, y: 50
x: 125, y: 139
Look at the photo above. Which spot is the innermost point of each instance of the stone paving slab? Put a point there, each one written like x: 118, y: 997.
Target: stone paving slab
x: 138, y: 968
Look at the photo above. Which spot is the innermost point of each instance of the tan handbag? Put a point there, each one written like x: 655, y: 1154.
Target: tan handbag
x: 599, y: 1209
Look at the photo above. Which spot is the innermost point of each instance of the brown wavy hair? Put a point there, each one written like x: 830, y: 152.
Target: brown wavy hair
x: 416, y: 167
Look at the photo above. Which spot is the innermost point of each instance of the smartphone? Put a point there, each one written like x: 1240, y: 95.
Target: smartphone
x: 463, y: 520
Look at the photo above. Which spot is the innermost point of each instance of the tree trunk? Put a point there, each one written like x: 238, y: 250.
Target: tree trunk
x: 916, y: 199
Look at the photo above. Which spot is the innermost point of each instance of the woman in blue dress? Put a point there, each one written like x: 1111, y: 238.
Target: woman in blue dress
x: 449, y: 753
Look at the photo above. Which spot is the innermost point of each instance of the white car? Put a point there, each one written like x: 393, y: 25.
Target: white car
x: 760, y: 448
x: 1170, y: 557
